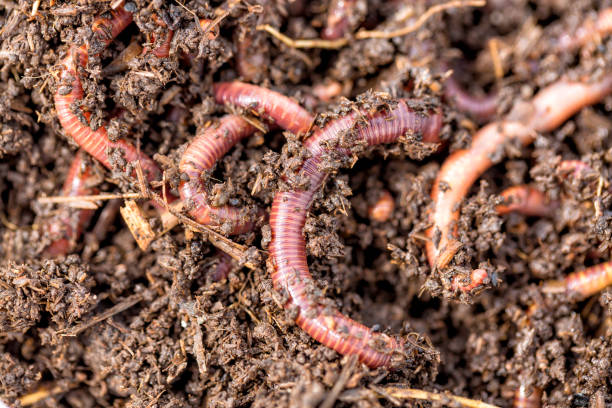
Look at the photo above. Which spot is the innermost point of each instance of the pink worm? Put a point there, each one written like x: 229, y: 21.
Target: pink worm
x: 204, y: 151
x: 341, y: 17
x: 268, y: 104
x: 482, y: 108
x: 525, y: 398
x: 73, y: 120
x: 70, y: 224
x: 549, y: 108
x: 288, y: 263
x: 589, y: 31
x: 525, y: 200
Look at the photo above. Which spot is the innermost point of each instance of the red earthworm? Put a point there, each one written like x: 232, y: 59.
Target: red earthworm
x: 525, y: 200
x: 527, y: 398
x: 477, y: 278
x: 74, y: 121
x: 586, y: 282
x: 589, y: 31
x: 382, y: 210
x: 224, y: 265
x: 577, y: 167
x: 70, y: 223
x: 162, y: 51
x: 327, y: 90
x: 287, y: 262
x: 271, y: 105
x: 482, y: 108
x: 343, y: 16
x: 547, y: 110
x: 203, y: 152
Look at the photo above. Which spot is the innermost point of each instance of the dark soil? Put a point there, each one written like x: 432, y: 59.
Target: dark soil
x: 180, y: 338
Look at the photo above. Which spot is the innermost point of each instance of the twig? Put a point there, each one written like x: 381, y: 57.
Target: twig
x: 118, y: 308
x: 410, y: 393
x: 303, y: 42
x: 421, y: 20
x: 42, y: 393
x: 343, y: 378
x: 95, y: 197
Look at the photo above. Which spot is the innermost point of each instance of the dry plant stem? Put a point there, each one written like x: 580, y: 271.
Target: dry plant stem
x: 527, y: 398
x: 70, y: 223
x: 75, y: 201
x: 203, y: 152
x: 288, y: 264
x: 548, y: 109
x: 408, y: 393
x: 303, y: 42
x: 345, y: 375
x: 263, y: 102
x: 421, y: 20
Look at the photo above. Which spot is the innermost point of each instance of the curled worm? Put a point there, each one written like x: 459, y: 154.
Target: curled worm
x: 69, y: 224
x: 72, y: 119
x: 270, y: 105
x: 203, y: 152
x: 546, y: 111
x: 482, y: 108
x: 288, y: 263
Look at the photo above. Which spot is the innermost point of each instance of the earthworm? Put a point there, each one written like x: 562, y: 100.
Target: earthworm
x: 525, y: 200
x: 223, y: 266
x: 343, y: 16
x: 70, y: 223
x: 271, y: 105
x: 288, y: 264
x: 74, y: 121
x: 527, y: 398
x: 203, y: 152
x: 383, y: 208
x: 585, y: 283
x: 482, y: 108
x: 547, y: 110
x: 589, y: 31
x: 163, y: 50
x: 577, y: 167
x: 477, y: 278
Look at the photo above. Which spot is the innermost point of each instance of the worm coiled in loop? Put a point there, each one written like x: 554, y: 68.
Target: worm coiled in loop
x: 69, y: 224
x: 73, y: 120
x: 270, y: 105
x: 551, y: 107
x: 288, y: 262
x: 205, y: 150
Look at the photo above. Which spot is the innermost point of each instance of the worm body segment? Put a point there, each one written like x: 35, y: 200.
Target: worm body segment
x: 525, y: 200
x: 271, y: 105
x: 526, y: 398
x: 205, y: 150
x: 288, y: 261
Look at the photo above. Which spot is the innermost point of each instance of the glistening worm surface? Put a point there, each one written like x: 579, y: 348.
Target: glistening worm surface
x: 288, y: 263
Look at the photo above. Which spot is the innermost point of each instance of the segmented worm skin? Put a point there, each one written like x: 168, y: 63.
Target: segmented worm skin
x: 382, y: 210
x: 525, y: 200
x: 74, y: 121
x: 586, y: 282
x: 589, y: 31
x: 288, y: 263
x: 163, y: 51
x: 70, y: 223
x: 271, y: 105
x: 205, y: 150
x: 547, y: 110
x: 224, y: 266
x: 481, y: 108
x: 527, y: 398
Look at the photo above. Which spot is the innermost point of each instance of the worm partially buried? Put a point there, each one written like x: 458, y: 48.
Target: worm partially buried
x: 203, y: 152
x: 549, y: 108
x: 288, y: 264
x: 70, y: 222
x: 72, y: 118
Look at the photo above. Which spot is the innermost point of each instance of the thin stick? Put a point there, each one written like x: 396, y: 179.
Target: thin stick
x: 118, y: 308
x: 421, y: 20
x: 95, y: 197
x: 343, y: 378
x: 303, y: 42
x: 409, y: 393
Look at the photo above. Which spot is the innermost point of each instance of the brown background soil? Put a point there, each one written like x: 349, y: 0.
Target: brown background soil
x: 185, y: 340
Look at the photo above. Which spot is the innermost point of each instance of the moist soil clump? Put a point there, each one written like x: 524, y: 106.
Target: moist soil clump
x: 183, y: 324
